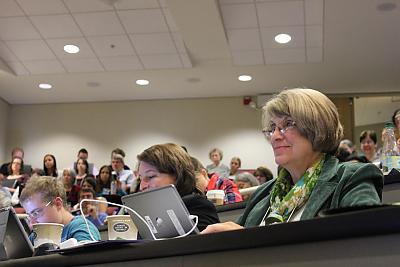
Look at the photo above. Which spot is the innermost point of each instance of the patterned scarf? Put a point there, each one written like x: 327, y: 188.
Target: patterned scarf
x: 285, y: 198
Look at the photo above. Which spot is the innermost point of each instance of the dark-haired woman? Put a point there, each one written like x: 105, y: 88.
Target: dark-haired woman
x: 50, y: 165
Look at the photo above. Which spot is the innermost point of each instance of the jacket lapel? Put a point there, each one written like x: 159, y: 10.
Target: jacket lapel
x: 323, y: 189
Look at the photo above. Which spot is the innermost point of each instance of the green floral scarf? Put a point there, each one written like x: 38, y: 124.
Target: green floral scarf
x: 285, y: 198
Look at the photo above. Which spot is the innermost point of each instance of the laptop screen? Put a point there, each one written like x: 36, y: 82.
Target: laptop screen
x: 163, y: 210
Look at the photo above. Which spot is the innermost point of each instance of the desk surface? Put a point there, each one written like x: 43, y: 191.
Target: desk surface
x: 369, y: 223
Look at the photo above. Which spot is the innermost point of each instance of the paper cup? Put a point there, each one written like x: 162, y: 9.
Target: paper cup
x: 216, y: 196
x: 121, y: 227
x: 46, y: 233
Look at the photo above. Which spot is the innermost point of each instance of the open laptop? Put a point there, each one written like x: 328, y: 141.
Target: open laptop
x: 163, y: 210
x: 14, y: 241
x: 10, y: 183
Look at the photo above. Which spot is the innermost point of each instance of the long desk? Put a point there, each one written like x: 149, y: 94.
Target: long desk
x: 360, y: 238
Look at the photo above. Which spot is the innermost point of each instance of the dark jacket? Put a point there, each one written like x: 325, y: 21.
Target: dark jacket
x: 339, y: 185
x: 205, y: 210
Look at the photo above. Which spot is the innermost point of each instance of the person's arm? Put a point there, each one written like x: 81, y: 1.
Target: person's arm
x: 221, y: 227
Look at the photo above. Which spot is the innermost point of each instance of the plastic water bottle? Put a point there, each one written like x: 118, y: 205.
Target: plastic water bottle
x: 113, y: 187
x: 390, y: 151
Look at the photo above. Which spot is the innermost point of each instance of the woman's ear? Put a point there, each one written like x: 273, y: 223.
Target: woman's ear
x: 58, y: 202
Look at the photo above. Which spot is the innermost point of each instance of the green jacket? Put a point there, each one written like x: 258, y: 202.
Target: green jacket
x: 339, y: 185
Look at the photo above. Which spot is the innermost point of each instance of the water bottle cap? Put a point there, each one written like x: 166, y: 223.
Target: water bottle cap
x: 389, y: 124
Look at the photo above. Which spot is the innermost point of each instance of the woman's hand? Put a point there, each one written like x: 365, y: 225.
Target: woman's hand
x: 221, y: 227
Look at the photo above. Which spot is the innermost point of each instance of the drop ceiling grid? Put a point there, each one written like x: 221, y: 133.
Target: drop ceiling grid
x: 302, y: 19
x: 26, y: 24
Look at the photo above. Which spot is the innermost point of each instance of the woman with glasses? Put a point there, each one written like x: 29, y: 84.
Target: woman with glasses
x: 44, y: 200
x: 368, y: 140
x: 303, y: 128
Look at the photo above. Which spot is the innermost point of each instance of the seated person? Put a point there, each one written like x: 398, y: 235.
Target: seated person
x: 71, y: 189
x: 217, y: 166
x: 44, y: 200
x: 263, y: 174
x: 304, y: 130
x: 245, y: 180
x: 125, y: 177
x: 91, y: 209
x: 165, y: 164
x: 204, y: 184
x: 6, y: 167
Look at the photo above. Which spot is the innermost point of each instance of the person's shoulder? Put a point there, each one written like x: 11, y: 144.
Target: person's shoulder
x: 196, y: 199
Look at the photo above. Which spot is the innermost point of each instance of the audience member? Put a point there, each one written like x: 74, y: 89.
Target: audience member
x: 15, y: 171
x: 104, y: 180
x: 84, y: 154
x: 396, y: 122
x: 16, y: 152
x: 263, y: 174
x: 50, y: 166
x: 125, y: 177
x: 245, y: 180
x: 165, y: 164
x: 204, y: 184
x: 304, y: 130
x: 71, y: 189
x: 119, y: 151
x: 236, y: 163
x: 91, y: 209
x: 368, y: 140
x: 216, y: 156
x: 89, y: 182
x: 82, y: 170
x: 44, y: 200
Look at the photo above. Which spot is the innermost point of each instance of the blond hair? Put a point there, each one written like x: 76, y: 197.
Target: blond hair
x: 48, y: 187
x: 315, y: 115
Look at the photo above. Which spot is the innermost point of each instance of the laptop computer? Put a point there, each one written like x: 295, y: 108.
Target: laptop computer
x: 10, y: 183
x: 163, y: 210
x: 14, y: 241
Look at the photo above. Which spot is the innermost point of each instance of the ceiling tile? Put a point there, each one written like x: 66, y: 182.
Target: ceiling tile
x: 296, y: 32
x: 244, y: 39
x: 282, y: 13
x: 284, y: 55
x: 10, y: 9
x: 6, y: 54
x: 101, y: 23
x: 314, y: 12
x: 314, y: 36
x: 44, y: 67
x: 180, y: 45
x: 42, y: 7
x: 121, y: 63
x: 157, y: 43
x: 239, y: 16
x: 244, y: 58
x: 57, y: 45
x: 87, y: 5
x: 17, y: 28
x: 314, y: 54
x: 18, y: 68
x: 105, y: 46
x: 187, y: 63
x: 227, y: 2
x: 170, y: 20
x: 137, y: 4
x: 171, y: 61
x: 82, y: 65
x: 56, y: 26
x: 143, y: 21
x: 30, y: 50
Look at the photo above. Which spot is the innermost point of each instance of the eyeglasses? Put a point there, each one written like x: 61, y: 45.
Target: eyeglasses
x: 38, y: 212
x: 286, y: 126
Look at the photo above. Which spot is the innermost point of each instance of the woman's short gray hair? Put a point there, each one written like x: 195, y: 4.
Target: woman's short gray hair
x: 315, y: 115
x: 247, y: 177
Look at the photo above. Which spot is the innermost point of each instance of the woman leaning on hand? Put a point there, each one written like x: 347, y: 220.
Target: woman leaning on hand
x: 304, y: 130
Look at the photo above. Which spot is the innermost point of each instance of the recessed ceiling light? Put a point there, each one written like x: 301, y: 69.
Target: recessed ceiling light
x: 71, y: 49
x: 45, y: 86
x: 142, y: 82
x: 245, y: 78
x: 283, y: 38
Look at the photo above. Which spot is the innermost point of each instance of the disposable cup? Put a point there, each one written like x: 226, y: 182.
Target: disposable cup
x: 121, y: 227
x: 46, y: 233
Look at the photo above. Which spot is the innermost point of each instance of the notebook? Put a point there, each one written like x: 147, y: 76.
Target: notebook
x: 14, y: 242
x: 163, y: 210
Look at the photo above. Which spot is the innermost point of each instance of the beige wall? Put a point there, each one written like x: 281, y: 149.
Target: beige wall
x: 199, y: 124
x: 4, y: 112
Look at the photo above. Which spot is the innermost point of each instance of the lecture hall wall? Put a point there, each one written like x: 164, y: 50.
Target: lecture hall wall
x: 4, y: 112
x: 199, y: 124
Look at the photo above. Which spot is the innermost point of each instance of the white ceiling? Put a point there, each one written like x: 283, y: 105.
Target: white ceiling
x: 194, y: 48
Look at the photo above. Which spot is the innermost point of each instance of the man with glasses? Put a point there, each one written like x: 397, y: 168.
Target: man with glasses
x: 44, y: 200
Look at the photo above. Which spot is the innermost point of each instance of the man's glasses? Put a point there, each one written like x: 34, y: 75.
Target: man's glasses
x: 283, y: 128
x: 38, y: 212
